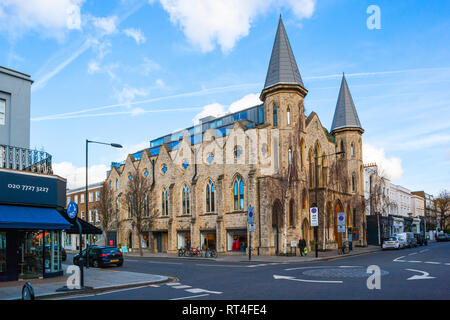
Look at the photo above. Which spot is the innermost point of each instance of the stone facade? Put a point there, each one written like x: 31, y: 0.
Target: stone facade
x: 275, y: 162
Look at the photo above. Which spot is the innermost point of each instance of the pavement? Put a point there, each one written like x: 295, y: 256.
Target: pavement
x: 310, y: 257
x: 99, y: 279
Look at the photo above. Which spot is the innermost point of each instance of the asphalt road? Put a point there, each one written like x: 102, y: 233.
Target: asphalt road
x: 419, y: 273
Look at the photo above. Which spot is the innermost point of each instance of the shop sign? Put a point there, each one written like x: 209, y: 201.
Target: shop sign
x: 32, y: 189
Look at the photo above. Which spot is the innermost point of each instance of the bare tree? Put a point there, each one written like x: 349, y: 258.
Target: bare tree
x: 105, y: 208
x: 137, y: 199
x: 442, y: 204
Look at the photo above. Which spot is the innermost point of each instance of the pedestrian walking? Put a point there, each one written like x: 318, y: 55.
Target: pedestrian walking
x: 302, y: 245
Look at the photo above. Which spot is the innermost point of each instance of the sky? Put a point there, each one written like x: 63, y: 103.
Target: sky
x: 129, y: 71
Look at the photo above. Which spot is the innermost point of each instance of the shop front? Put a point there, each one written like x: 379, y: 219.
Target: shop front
x: 31, y: 223
x: 183, y: 239
x: 237, y: 240
x: 208, y: 239
x: 161, y: 241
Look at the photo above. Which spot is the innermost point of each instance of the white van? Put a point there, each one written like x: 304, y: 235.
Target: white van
x: 402, y: 240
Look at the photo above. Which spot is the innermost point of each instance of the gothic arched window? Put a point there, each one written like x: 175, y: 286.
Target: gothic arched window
x: 165, y: 203
x: 288, y: 114
x: 238, y: 193
x: 275, y: 119
x: 185, y: 196
x: 210, y: 197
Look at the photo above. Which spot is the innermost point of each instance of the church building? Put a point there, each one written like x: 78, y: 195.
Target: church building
x: 272, y: 157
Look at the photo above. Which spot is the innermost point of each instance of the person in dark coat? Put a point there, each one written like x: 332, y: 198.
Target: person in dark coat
x: 302, y: 245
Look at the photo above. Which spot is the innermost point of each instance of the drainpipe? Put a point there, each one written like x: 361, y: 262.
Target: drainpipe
x: 195, y: 165
x: 259, y: 214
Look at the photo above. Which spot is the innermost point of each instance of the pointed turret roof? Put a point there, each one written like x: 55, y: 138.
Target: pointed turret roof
x: 282, y: 67
x: 345, y: 115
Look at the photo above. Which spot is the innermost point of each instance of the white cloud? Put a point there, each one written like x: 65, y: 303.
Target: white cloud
x: 108, y: 25
x: 93, y: 67
x: 136, y: 34
x: 391, y: 167
x: 218, y: 110
x: 127, y: 94
x: 247, y: 101
x: 76, y: 176
x: 206, y: 23
x: 51, y: 17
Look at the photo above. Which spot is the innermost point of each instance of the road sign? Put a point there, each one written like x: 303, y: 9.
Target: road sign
x: 314, y: 215
x: 341, y: 228
x: 252, y: 227
x: 293, y: 243
x: 341, y: 218
x: 72, y: 210
x: 251, y: 215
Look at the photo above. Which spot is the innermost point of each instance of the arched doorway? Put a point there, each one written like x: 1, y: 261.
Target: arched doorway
x: 277, y: 223
x: 337, y: 235
x: 130, y: 240
x: 306, y: 231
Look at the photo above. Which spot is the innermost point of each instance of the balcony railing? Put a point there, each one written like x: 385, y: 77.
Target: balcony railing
x: 25, y: 159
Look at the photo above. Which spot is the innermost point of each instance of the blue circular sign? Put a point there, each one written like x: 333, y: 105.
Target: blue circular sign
x: 72, y: 210
x: 313, y: 210
x: 341, y: 218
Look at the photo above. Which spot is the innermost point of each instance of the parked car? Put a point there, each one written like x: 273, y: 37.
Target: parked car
x: 441, y: 237
x: 412, y: 241
x: 403, y: 242
x: 391, y: 243
x: 101, y: 257
x: 421, y: 239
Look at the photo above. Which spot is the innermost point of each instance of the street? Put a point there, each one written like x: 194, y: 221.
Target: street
x: 420, y: 273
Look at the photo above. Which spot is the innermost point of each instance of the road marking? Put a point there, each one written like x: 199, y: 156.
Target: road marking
x: 120, y: 290
x: 181, y: 287
x: 424, y: 276
x: 190, y: 297
x: 411, y: 254
x: 196, y: 290
x: 221, y: 265
x: 277, y: 277
x: 173, y: 284
x: 424, y: 250
x: 414, y: 261
x: 432, y: 262
x: 154, y: 286
x: 299, y: 268
x: 447, y: 264
x: 398, y: 259
x: 160, y: 262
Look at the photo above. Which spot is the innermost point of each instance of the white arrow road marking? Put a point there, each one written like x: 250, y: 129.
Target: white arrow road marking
x: 432, y: 262
x: 277, y: 277
x: 181, y: 287
x: 398, y: 259
x: 196, y: 290
x: 299, y: 268
x: 425, y: 275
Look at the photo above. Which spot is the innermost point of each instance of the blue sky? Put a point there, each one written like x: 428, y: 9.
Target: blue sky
x: 129, y: 71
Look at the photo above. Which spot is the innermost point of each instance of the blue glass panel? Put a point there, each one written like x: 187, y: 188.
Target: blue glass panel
x: 164, y: 169
x: 154, y: 151
x: 210, y: 158
x: 185, y: 164
x: 130, y: 177
x: 243, y: 115
x: 146, y: 173
x: 219, y: 123
x: 241, y: 187
x: 235, y: 117
x: 261, y: 115
x: 235, y: 188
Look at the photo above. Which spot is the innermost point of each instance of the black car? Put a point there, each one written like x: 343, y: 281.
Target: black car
x: 101, y: 257
x: 421, y: 239
x: 441, y: 237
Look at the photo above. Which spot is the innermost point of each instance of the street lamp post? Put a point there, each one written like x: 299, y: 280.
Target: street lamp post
x: 316, y: 192
x: 115, y: 145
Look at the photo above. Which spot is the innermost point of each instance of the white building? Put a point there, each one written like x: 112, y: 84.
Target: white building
x: 376, y: 191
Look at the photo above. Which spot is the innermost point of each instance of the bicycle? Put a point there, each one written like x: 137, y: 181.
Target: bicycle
x: 194, y: 252
x: 212, y: 253
x: 344, y: 249
x: 182, y: 252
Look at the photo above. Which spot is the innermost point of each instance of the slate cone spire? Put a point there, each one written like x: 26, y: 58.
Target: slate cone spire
x: 282, y: 67
x: 345, y: 115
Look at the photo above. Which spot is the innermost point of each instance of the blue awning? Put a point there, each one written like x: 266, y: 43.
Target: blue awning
x: 21, y: 217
